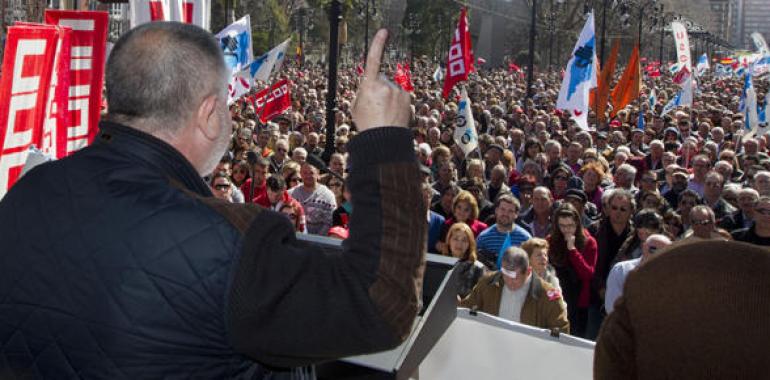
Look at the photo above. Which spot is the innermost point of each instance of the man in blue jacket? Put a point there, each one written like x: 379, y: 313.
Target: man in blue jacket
x: 119, y: 263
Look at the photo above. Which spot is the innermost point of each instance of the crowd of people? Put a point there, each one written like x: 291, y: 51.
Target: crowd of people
x: 546, y: 219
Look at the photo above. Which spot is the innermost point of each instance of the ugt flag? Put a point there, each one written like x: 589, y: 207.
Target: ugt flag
x: 465, y: 132
x: 703, y: 65
x: 235, y: 42
x: 271, y: 62
x: 460, y: 57
x: 761, y: 66
x: 580, y: 75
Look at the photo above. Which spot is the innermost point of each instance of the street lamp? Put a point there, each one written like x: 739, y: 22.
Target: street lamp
x: 413, y: 28
x: 531, y: 63
x: 302, y: 19
x: 335, y: 15
x: 367, y: 12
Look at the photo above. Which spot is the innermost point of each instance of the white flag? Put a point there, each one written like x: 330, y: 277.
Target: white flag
x: 143, y: 11
x: 580, y: 75
x: 750, y: 115
x: 465, y: 132
x: 760, y: 43
x: 682, y: 46
x: 438, y: 75
x: 235, y: 41
x: 197, y: 12
x: 270, y: 62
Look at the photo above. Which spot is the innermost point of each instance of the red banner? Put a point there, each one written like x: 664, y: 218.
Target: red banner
x: 27, y: 68
x: 54, y: 141
x: 403, y: 77
x: 271, y: 102
x: 89, y: 43
x: 460, y: 58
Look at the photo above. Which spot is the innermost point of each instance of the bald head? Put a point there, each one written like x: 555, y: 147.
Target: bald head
x: 158, y: 73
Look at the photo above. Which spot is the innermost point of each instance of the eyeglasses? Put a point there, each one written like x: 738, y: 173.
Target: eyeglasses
x: 652, y: 249
x: 222, y: 187
x: 621, y: 209
x: 702, y: 222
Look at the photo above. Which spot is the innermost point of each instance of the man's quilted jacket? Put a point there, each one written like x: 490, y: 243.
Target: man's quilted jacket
x: 118, y: 263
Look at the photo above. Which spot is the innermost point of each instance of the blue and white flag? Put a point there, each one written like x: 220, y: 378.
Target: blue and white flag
x: 652, y: 99
x: 750, y: 116
x: 761, y: 66
x: 640, y: 121
x: 580, y: 75
x: 762, y: 109
x: 747, y: 85
x: 703, y: 65
x: 438, y: 75
x: 682, y: 98
x: 465, y: 135
x: 271, y: 62
x: 236, y: 43
x: 506, y: 244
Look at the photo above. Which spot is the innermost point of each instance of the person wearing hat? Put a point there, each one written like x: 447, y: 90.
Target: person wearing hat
x: 578, y: 199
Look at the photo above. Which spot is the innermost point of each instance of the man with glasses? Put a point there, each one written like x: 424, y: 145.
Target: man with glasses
x: 702, y: 224
x: 222, y: 186
x: 513, y: 293
x: 279, y: 156
x: 712, y: 197
x: 759, y: 232
x: 619, y: 272
x: 610, y: 233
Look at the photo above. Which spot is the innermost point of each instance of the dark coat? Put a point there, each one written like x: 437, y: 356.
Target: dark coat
x: 118, y: 263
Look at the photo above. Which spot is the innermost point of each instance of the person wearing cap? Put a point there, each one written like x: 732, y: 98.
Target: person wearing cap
x: 587, y: 210
x: 515, y: 294
x: 620, y: 270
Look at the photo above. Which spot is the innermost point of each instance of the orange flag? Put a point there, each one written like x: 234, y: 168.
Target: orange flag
x: 601, y: 94
x: 627, y: 88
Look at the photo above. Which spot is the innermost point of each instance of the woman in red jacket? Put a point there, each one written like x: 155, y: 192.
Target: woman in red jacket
x: 465, y: 210
x: 573, y: 253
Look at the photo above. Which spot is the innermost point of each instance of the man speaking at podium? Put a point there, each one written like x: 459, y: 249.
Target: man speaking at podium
x: 119, y: 263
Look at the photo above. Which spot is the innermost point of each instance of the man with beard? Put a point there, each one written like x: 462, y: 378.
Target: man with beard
x: 128, y: 267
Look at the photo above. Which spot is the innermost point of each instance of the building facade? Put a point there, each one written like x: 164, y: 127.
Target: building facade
x: 751, y: 16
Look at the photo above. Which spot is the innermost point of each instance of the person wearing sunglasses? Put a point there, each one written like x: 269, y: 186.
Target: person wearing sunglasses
x: 279, y: 156
x: 703, y: 225
x: 759, y: 232
x: 620, y: 271
x: 222, y: 187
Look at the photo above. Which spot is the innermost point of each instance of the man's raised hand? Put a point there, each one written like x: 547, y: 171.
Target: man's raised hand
x: 379, y: 102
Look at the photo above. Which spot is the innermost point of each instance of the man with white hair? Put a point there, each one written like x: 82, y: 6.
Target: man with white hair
x: 761, y: 183
x: 299, y: 155
x: 624, y: 178
x: 619, y: 271
x: 654, y: 159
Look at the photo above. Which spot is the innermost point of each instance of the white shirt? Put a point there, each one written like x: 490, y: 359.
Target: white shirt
x: 616, y: 280
x: 511, y: 302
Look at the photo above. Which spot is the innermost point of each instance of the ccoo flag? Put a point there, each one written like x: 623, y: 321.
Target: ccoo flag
x: 465, y: 132
x: 235, y: 42
x: 580, y: 75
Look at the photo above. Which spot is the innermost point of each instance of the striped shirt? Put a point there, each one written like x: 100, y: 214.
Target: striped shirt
x: 491, y: 240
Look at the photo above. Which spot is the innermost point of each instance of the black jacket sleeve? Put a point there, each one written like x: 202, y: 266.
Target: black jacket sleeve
x: 292, y: 304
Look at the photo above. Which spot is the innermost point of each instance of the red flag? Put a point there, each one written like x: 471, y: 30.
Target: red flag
x: 271, y: 102
x: 481, y: 61
x: 360, y: 69
x: 512, y: 68
x: 403, y: 78
x: 28, y: 64
x: 54, y: 138
x: 460, y: 57
x: 89, y: 44
x: 681, y: 76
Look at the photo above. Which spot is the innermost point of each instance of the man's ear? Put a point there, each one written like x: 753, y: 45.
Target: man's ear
x: 206, y: 118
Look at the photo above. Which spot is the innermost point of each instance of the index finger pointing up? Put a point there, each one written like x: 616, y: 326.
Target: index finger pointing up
x: 375, y: 54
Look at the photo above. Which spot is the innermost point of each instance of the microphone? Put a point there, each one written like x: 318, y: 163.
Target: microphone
x: 319, y: 164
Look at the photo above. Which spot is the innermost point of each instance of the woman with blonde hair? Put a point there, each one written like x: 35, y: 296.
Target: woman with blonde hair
x: 462, y: 245
x: 537, y: 250
x: 465, y: 209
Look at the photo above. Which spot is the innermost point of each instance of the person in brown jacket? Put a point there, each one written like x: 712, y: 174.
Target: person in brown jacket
x: 514, y: 293
x: 696, y: 310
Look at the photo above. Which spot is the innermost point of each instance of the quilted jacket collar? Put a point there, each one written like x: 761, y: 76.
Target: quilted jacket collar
x: 153, y: 152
